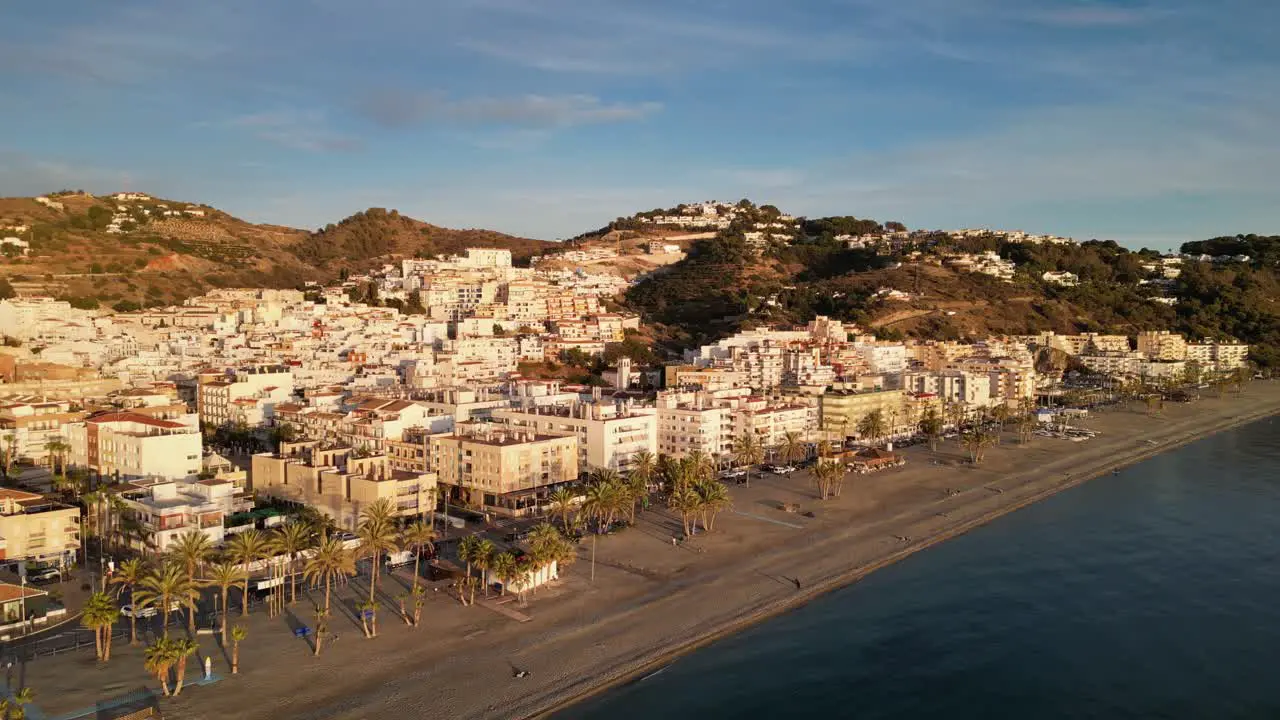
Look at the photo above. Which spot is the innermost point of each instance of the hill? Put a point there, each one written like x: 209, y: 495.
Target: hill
x: 925, y: 286
x: 377, y: 233
x: 131, y: 249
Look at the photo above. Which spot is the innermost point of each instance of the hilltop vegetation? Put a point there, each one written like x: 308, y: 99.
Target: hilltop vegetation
x: 724, y: 286
x: 104, y: 252
x: 378, y: 233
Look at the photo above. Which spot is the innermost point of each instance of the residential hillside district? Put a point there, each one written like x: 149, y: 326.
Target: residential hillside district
x: 242, y: 408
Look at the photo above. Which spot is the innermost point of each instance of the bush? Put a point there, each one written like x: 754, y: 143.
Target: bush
x: 126, y: 306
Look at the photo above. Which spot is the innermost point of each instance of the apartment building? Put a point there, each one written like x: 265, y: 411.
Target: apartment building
x: 698, y: 424
x: 34, y: 528
x: 1218, y: 356
x: 29, y: 426
x: 247, y: 395
x: 506, y: 470
x: 128, y: 445
x: 841, y: 410
x: 168, y: 509
x: 1162, y: 345
x: 608, y: 436
x: 769, y: 424
x: 337, y: 481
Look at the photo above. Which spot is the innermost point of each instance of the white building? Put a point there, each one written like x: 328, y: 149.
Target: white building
x: 167, y: 510
x: 129, y: 445
x: 608, y: 436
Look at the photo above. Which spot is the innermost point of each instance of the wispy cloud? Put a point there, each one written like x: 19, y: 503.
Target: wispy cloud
x: 299, y: 130
x: 393, y: 108
x: 1093, y: 16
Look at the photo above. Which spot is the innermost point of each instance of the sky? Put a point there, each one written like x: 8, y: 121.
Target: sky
x: 1150, y: 123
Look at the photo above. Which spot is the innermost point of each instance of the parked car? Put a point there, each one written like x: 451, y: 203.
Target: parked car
x: 147, y: 611
x: 44, y: 575
x: 733, y: 474
x: 517, y: 536
x: 781, y: 469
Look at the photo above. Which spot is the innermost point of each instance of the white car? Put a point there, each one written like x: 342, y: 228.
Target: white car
x: 147, y: 611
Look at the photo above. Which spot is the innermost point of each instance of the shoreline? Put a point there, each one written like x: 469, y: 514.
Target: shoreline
x: 646, y: 603
x: 601, y: 684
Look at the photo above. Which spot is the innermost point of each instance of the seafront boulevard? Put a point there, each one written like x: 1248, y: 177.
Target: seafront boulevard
x: 649, y: 601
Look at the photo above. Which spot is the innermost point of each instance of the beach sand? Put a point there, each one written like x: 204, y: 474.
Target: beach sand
x: 650, y: 601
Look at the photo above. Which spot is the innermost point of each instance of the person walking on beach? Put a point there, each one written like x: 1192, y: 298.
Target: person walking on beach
x: 797, y: 582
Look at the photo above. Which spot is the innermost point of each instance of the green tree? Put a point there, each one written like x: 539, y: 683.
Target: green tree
x: 290, y: 540
x: 747, y: 451
x: 99, y: 615
x: 238, y: 634
x: 223, y: 575
x: 377, y: 533
x: 6, y: 290
x: 191, y: 550
x: 330, y: 561
x: 130, y: 574
x: 245, y: 549
x: 872, y: 426
x: 166, y: 587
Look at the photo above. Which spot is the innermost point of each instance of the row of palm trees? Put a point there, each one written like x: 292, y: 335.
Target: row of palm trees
x: 546, y: 546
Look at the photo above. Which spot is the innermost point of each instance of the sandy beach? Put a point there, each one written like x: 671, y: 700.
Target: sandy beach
x: 649, y: 601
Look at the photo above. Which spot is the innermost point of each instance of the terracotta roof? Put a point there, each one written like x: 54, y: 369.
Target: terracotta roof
x: 13, y: 592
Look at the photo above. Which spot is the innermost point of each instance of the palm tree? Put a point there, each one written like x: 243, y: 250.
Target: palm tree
x: 686, y: 502
x: 330, y: 561
x: 712, y: 498
x: 603, y: 497
x: 377, y: 533
x: 562, y: 500
x: 191, y: 549
x: 701, y: 464
x: 826, y: 472
x: 322, y: 622
x: 166, y: 586
x: 13, y: 709
x: 368, y: 617
x: 792, y: 447
x: 931, y: 426
x: 129, y: 574
x: 245, y: 549
x: 643, y: 467
x: 238, y: 634
x: 56, y: 450
x: 468, y: 550
x: 871, y: 426
x: 183, y: 648
x: 747, y: 452
x: 159, y: 658
x: 223, y: 575
x: 99, y: 615
x: 505, y: 568
x: 289, y: 540
x: 419, y: 537
x: 483, y: 561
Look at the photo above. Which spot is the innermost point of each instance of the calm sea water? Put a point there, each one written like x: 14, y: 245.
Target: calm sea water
x: 1154, y: 593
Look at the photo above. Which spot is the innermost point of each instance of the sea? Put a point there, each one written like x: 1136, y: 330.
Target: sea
x: 1151, y: 593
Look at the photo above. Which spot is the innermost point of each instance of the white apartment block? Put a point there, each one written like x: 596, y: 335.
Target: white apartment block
x: 130, y: 445
x: 608, y: 436
x: 1162, y: 345
x: 167, y: 510
x: 700, y: 424
x: 246, y: 395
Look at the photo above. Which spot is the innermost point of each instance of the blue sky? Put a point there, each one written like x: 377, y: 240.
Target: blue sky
x: 1146, y: 122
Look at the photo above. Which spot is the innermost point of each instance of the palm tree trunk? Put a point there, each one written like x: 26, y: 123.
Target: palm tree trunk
x: 97, y: 643
x: 417, y: 557
x: 293, y: 582
x: 373, y: 623
x: 226, y: 592
x: 373, y: 576
x: 163, y: 677
x: 319, y: 640
x: 182, y: 674
x: 164, y: 615
x: 133, y: 620
x: 106, y: 649
x: 244, y: 597
x: 326, y: 598
x: 235, y: 658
